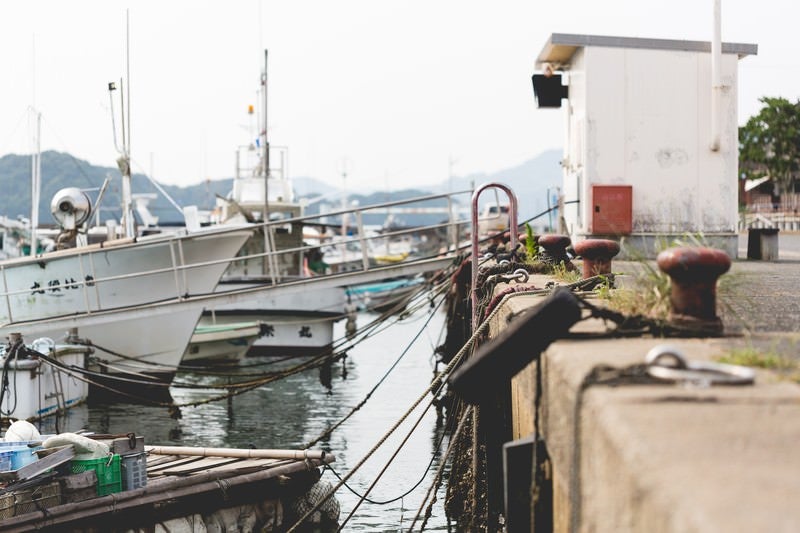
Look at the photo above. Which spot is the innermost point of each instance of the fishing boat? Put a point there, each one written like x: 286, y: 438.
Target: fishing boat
x: 263, y: 195
x: 41, y: 378
x: 97, y: 280
x: 127, y: 485
x: 384, y: 295
x: 221, y: 344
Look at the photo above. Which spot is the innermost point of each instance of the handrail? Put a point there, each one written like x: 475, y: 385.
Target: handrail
x: 512, y: 222
x: 85, y: 262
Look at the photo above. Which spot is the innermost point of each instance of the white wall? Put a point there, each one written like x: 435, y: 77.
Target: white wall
x: 642, y: 118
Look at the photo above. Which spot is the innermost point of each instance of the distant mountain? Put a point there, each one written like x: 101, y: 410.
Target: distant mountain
x: 306, y: 187
x: 529, y: 180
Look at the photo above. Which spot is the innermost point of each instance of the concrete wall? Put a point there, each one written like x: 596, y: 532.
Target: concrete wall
x: 660, y: 458
x: 641, y: 117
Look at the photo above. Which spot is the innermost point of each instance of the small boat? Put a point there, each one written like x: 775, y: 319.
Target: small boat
x: 385, y: 295
x: 136, y: 487
x: 221, y: 344
x: 43, y: 378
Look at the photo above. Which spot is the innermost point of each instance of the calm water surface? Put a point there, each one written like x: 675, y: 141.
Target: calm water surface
x: 295, y: 410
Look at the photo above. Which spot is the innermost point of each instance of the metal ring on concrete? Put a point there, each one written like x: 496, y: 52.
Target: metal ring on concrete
x: 668, y: 362
x: 521, y: 275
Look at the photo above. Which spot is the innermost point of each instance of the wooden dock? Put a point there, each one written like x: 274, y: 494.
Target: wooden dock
x: 213, y: 486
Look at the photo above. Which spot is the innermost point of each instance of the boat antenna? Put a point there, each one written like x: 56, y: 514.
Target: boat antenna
x: 36, y: 182
x: 124, y: 161
x: 265, y: 157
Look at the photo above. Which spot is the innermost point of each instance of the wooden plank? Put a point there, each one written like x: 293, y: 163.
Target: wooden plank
x: 169, y: 464
x: 248, y: 465
x: 198, y: 466
x: 44, y: 464
x: 156, y: 460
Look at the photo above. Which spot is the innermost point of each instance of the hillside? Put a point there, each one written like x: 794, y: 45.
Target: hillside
x: 530, y: 181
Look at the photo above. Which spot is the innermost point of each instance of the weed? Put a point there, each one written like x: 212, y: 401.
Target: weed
x: 567, y: 275
x: 756, y: 358
x: 531, y: 246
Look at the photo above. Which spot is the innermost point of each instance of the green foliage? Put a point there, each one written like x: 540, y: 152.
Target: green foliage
x: 566, y: 274
x: 531, y: 246
x: 756, y: 358
x: 769, y: 144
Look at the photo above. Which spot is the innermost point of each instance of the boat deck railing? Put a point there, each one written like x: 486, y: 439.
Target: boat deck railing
x: 352, y: 240
x: 285, y: 268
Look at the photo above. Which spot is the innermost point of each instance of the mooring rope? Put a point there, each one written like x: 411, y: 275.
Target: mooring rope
x: 383, y: 378
x: 439, y: 471
x: 435, y: 384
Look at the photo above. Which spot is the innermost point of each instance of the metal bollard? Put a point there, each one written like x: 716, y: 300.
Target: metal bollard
x: 694, y: 273
x: 554, y: 249
x: 597, y: 255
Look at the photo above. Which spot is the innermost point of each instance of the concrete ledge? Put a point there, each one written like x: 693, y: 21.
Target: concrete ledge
x: 661, y: 458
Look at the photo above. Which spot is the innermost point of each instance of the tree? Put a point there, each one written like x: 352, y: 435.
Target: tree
x: 769, y: 144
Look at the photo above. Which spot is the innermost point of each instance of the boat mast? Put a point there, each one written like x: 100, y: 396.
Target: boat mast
x: 270, y: 264
x: 36, y: 182
x: 124, y: 161
x: 265, y: 156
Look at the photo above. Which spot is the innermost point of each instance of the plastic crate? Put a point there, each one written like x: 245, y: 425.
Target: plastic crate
x: 109, y: 479
x: 22, y: 456
x: 6, y: 456
x: 134, y: 470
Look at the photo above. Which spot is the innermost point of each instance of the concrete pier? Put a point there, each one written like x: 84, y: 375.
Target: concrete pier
x: 667, y: 457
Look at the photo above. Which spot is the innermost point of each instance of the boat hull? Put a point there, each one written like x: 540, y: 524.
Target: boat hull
x: 285, y: 332
x: 37, y: 389
x: 221, y: 344
x: 116, y: 277
x: 295, y: 324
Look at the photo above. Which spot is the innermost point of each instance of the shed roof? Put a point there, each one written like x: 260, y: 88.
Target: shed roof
x: 560, y: 47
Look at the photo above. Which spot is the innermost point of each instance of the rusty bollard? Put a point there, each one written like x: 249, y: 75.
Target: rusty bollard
x: 597, y: 255
x: 554, y: 250
x: 694, y: 273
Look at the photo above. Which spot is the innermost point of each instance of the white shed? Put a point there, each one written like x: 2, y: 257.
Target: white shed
x: 643, y: 157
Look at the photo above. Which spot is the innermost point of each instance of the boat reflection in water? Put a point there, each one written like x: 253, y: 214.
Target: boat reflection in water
x: 293, y: 411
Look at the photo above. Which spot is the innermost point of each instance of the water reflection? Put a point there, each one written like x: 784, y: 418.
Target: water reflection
x: 290, y: 412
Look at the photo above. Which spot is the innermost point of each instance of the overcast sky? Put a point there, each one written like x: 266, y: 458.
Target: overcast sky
x: 397, y: 93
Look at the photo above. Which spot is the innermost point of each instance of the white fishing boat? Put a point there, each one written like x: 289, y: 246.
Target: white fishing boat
x: 42, y: 378
x: 98, y: 282
x: 117, y: 275
x: 292, y: 324
x: 221, y: 344
x: 262, y: 192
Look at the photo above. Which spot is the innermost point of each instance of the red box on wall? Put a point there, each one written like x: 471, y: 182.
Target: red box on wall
x: 612, y: 209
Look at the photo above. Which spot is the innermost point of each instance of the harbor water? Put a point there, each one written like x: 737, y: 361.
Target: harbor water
x: 295, y: 410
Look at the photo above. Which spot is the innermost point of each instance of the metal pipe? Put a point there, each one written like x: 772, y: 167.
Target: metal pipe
x: 716, y: 78
x: 512, y: 219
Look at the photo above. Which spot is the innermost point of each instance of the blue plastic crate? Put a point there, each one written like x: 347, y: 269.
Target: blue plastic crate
x: 5, y: 460
x: 22, y: 456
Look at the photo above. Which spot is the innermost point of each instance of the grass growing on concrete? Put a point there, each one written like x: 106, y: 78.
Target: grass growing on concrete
x: 531, y: 246
x: 756, y: 358
x: 647, y: 295
x: 768, y: 359
x: 562, y: 273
